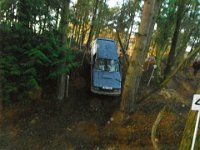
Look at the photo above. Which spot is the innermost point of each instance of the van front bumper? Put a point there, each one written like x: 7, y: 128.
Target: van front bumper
x: 101, y: 91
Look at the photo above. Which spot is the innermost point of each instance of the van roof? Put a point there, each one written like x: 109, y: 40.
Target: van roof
x: 106, y: 48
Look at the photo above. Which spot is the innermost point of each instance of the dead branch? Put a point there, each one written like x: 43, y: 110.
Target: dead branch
x: 154, y: 128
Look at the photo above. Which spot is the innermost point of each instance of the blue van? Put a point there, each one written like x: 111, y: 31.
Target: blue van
x: 105, y: 68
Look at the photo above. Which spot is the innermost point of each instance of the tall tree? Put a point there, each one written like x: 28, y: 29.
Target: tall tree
x: 63, y: 30
x: 180, y: 14
x: 134, y: 71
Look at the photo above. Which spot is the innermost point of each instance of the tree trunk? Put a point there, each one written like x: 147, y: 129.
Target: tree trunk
x: 63, y: 31
x: 135, y: 68
x: 79, y: 32
x: 186, y: 141
x: 45, y: 18
x: 83, y: 33
x: 122, y: 48
x: 158, y: 62
x: 171, y: 56
x: 40, y: 24
x: 75, y: 32
x: 130, y: 30
x: 57, y: 16
x: 1, y: 100
x: 24, y: 16
x: 92, y: 24
x: 129, y: 35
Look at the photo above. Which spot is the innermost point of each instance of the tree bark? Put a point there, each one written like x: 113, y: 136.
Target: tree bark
x: 63, y: 31
x: 135, y: 68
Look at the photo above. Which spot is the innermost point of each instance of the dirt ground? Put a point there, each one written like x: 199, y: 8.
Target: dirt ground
x: 85, y: 121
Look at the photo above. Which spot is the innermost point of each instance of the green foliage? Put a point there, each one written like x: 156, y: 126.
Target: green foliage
x: 29, y: 60
x: 50, y: 57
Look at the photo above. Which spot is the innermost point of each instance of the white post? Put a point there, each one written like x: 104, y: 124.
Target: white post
x: 154, y: 67
x: 195, y: 131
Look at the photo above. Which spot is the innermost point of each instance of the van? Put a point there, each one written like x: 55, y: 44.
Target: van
x: 105, y: 68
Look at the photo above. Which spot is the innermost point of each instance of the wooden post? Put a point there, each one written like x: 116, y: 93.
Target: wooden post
x: 67, y: 85
x: 61, y: 89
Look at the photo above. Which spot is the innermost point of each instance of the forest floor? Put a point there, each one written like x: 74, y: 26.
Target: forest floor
x: 85, y: 121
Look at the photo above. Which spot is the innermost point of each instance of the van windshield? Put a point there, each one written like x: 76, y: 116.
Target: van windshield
x: 106, y: 65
